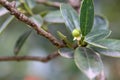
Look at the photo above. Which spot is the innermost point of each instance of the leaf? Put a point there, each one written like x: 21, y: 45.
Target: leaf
x: 96, y: 45
x: 100, y: 23
x: 66, y: 52
x: 100, y: 29
x: 107, y: 52
x: 6, y: 23
x: 3, y: 11
x: 97, y: 35
x: 70, y: 16
x: 54, y: 17
x: 86, y: 16
x: 88, y: 62
x: 112, y: 44
x: 21, y: 40
x: 37, y: 19
x: 113, y: 47
x: 31, y: 3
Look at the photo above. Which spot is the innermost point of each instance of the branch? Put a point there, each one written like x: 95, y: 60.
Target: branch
x: 29, y: 58
x: 11, y: 7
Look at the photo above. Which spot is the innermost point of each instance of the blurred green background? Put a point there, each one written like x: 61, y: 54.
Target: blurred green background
x: 59, y: 68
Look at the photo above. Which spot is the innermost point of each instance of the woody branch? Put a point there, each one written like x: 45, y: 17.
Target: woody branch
x: 10, y: 6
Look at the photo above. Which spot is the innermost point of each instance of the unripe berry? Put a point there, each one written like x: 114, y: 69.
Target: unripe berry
x: 76, y: 33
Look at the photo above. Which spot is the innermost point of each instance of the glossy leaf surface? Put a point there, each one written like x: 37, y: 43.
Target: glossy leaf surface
x: 100, y: 23
x: 21, y: 40
x: 100, y: 29
x: 3, y: 11
x: 88, y: 62
x: 70, y: 16
x: 6, y: 23
x: 97, y: 35
x: 54, y: 17
x: 31, y: 3
x: 66, y: 52
x: 107, y: 52
x: 86, y: 16
x: 96, y: 45
x: 112, y: 44
x: 113, y: 47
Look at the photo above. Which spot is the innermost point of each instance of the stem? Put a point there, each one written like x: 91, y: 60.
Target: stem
x: 26, y: 7
x: 30, y: 58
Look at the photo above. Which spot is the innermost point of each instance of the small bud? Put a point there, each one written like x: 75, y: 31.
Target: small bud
x: 76, y: 33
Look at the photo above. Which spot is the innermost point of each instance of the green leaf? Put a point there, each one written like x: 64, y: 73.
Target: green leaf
x: 107, y: 52
x: 54, y: 17
x: 21, y: 40
x: 3, y: 11
x: 100, y: 29
x: 113, y: 47
x: 6, y: 23
x: 88, y: 62
x: 112, y: 44
x: 70, y: 16
x: 31, y: 3
x: 100, y: 23
x: 96, y: 45
x: 66, y: 52
x: 37, y: 19
x: 97, y: 35
x: 86, y: 16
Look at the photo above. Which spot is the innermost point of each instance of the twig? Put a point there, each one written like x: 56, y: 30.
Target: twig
x: 29, y: 58
x: 49, y: 3
x: 10, y: 6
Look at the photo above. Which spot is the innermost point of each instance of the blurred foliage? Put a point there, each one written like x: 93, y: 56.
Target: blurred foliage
x: 60, y: 68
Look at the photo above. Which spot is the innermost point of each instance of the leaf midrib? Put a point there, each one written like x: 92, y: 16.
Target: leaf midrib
x: 86, y: 19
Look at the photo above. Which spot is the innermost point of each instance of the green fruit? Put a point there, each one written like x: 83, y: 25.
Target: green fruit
x: 76, y: 33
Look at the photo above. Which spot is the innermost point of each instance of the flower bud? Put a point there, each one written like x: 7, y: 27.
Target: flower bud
x: 76, y: 33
